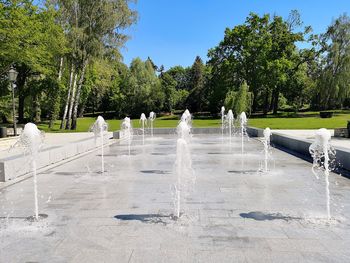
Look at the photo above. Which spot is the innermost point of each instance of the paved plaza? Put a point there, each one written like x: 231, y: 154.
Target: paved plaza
x: 235, y: 213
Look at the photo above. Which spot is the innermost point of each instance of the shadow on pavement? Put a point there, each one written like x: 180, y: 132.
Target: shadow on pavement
x: 260, y: 216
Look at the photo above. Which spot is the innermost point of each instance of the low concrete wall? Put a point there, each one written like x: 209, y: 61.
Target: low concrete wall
x: 16, y: 165
x: 341, y: 132
x: 300, y: 148
x: 252, y: 132
x: 255, y: 132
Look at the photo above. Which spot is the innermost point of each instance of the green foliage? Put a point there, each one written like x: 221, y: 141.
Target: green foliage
x: 240, y: 100
x: 169, y: 88
x: 30, y: 36
x: 262, y: 51
x: 334, y: 81
x: 142, y: 88
x: 197, y: 100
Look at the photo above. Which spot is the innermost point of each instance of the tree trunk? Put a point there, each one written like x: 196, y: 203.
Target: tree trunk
x: 275, y: 101
x: 272, y: 101
x: 77, y: 99
x: 55, y: 108
x: 22, y: 93
x: 255, y: 100
x: 21, y: 98
x: 81, y: 110
x: 68, y: 97
x: 71, y: 103
x: 37, y: 110
x: 266, y: 102
x: 60, y: 71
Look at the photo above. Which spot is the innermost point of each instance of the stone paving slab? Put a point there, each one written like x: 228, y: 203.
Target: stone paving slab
x: 235, y: 213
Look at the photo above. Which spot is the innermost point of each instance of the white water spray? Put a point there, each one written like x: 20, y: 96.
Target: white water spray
x: 183, y: 130
x: 127, y: 132
x: 152, y: 117
x: 243, y: 123
x: 230, y: 120
x: 266, y: 142
x: 322, y: 152
x: 31, y: 140
x: 187, y: 117
x: 143, y: 120
x: 222, y: 121
x: 185, y: 175
x: 98, y: 128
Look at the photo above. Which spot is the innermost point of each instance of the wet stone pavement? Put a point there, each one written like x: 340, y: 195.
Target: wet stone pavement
x: 234, y: 214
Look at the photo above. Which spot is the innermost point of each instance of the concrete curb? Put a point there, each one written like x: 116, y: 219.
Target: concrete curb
x: 252, y: 132
x: 300, y: 148
x: 48, y: 167
x: 14, y: 166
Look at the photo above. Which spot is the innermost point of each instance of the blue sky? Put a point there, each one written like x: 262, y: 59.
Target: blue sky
x: 174, y: 32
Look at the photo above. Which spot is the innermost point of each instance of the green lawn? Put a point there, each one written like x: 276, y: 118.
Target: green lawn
x: 85, y: 123
x: 308, y: 120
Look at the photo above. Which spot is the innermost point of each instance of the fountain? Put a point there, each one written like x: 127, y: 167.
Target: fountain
x: 143, y: 121
x: 183, y: 130
x: 98, y: 128
x: 222, y: 120
x: 184, y: 173
x: 127, y: 131
x: 266, y: 142
x: 188, y: 118
x: 152, y: 117
x: 230, y: 119
x: 322, y: 153
x: 243, y: 123
x: 31, y: 140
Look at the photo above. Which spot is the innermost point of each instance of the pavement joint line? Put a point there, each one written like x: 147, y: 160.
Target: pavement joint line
x: 26, y: 176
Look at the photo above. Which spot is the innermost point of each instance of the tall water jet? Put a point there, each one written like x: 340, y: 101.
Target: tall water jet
x: 243, y: 124
x: 183, y: 130
x: 185, y: 175
x: 152, y: 117
x: 143, y: 120
x: 322, y: 153
x: 222, y: 120
x: 98, y: 128
x: 266, y: 141
x: 127, y: 132
x: 32, y: 140
x: 230, y: 121
x: 188, y: 118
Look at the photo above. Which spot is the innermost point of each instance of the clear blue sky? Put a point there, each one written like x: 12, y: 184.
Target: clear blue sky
x: 174, y: 32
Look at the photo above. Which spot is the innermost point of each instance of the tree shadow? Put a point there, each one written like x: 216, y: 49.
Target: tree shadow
x: 145, y: 218
x: 155, y: 172
x: 261, y: 216
x: 242, y: 171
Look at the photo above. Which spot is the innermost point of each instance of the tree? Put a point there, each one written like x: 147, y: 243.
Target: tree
x: 92, y: 28
x: 142, y: 88
x: 262, y: 52
x: 182, y: 77
x: 169, y: 88
x: 240, y: 100
x: 334, y: 81
x: 196, y: 99
x: 32, y: 41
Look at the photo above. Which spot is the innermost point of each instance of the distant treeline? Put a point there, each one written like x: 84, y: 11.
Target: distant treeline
x: 68, y: 59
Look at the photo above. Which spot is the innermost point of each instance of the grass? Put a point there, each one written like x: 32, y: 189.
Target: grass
x: 85, y: 123
x: 308, y: 120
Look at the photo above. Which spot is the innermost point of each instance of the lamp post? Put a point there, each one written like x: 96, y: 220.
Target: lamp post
x: 12, y: 74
